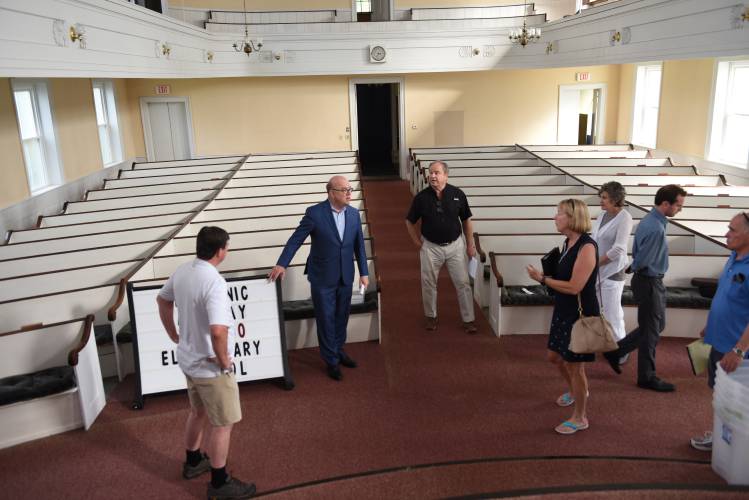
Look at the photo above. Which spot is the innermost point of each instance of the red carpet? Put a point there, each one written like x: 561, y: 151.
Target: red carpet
x: 416, y: 398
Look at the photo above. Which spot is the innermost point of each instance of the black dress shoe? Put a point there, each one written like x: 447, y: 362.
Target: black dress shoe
x: 613, y: 359
x: 657, y: 384
x: 346, y: 360
x: 335, y: 373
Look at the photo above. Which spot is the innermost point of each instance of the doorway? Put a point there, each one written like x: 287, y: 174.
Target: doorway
x: 167, y: 128
x: 377, y: 126
x: 581, y: 114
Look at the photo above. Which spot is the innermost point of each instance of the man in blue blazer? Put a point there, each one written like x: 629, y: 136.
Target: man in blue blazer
x: 337, y: 238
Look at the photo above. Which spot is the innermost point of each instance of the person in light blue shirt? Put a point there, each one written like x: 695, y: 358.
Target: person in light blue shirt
x: 649, y: 264
x: 727, y: 328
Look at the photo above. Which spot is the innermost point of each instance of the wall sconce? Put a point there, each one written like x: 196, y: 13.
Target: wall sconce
x: 209, y: 56
x: 77, y: 33
x: 616, y: 37
x: 549, y: 48
x: 166, y: 49
x: 745, y: 15
x: 476, y: 52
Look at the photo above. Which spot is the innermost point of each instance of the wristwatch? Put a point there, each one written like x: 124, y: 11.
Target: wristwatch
x: 738, y: 351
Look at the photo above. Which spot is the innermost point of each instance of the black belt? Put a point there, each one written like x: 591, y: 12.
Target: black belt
x: 656, y: 277
x: 444, y: 244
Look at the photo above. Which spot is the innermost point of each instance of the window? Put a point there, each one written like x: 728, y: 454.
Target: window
x: 363, y: 6
x: 729, y: 140
x: 647, y: 100
x: 106, y: 121
x: 36, y: 130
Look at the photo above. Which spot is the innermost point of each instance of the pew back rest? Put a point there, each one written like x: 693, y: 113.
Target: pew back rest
x: 73, y: 243
x: 40, y: 348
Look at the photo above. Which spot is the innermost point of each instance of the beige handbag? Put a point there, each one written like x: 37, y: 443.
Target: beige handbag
x: 591, y: 334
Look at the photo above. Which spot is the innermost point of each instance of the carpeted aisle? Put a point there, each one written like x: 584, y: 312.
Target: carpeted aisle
x: 417, y: 398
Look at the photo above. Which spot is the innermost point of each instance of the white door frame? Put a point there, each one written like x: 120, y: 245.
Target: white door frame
x: 146, y: 119
x: 354, y: 125
x: 601, y: 118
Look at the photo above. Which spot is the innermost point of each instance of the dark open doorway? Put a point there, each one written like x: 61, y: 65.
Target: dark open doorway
x: 377, y: 116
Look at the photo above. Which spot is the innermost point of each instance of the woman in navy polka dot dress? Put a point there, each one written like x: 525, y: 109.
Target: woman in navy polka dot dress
x: 575, y: 274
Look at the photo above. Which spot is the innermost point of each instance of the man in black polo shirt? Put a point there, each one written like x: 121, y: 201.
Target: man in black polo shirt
x: 445, y: 214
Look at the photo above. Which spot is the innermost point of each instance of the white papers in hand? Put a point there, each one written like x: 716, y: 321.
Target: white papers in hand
x: 473, y: 265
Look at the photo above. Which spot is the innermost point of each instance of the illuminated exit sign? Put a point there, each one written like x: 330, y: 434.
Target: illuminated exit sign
x: 163, y: 89
x: 582, y: 77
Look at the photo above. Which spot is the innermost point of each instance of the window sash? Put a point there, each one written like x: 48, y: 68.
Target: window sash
x: 647, y: 105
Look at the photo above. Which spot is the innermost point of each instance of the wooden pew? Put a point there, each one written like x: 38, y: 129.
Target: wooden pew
x: 510, y: 269
x: 264, y: 157
x: 192, y: 161
x: 151, y: 189
x: 120, y: 213
x: 215, y: 214
x: 35, y: 266
x: 653, y: 180
x: 102, y: 227
x: 611, y: 162
x: 73, y: 401
x: 82, y: 242
x: 629, y: 170
x: 80, y: 207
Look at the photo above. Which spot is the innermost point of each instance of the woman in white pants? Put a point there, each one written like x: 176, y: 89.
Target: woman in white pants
x: 611, y: 231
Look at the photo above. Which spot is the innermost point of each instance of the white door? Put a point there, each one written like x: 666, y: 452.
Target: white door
x: 570, y: 108
x: 567, y: 126
x: 166, y: 125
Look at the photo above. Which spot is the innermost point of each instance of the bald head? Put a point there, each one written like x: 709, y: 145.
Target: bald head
x: 339, y: 191
x: 737, y: 237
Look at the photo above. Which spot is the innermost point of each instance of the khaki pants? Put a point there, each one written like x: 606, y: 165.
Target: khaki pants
x: 433, y: 257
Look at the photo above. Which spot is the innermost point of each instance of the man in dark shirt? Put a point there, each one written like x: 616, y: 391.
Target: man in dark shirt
x: 649, y: 264
x: 445, y: 216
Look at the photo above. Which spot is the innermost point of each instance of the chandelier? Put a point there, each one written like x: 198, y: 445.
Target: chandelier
x: 247, y: 45
x: 525, y: 35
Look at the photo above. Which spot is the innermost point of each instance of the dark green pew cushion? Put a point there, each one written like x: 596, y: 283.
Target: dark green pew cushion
x: 303, y: 309
x: 36, y: 385
x: 681, y: 297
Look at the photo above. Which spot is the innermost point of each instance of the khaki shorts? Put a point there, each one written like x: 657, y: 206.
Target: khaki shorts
x: 218, y: 395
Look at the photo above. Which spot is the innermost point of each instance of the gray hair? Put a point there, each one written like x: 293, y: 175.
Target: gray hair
x: 445, y: 168
x: 615, y: 191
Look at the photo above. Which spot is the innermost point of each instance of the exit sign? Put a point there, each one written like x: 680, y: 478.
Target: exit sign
x: 582, y: 77
x: 163, y: 89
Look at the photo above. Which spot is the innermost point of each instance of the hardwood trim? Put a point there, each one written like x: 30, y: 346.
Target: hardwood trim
x: 210, y: 158
x: 31, y: 275
x: 268, y: 205
x: 495, y: 270
x: 42, y: 295
x: 90, y: 234
x: 145, y: 185
x: 88, y: 325
x: 103, y: 220
x: 77, y: 250
x: 139, y: 195
x: 235, y: 250
x: 37, y: 326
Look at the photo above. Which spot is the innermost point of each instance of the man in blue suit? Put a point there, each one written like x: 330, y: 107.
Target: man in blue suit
x: 337, y: 238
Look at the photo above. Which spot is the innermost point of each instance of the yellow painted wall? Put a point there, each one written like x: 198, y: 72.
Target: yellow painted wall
x: 683, y: 117
x: 497, y: 107
x: 240, y: 115
x: 75, y: 130
x: 75, y: 126
x: 14, y: 186
x: 258, y: 5
x: 626, y: 103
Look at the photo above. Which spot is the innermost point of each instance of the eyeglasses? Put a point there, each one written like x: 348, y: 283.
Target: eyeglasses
x: 343, y: 190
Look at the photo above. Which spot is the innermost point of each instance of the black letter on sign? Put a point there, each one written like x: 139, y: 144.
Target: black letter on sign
x: 240, y: 330
x: 244, y: 294
x: 164, y: 360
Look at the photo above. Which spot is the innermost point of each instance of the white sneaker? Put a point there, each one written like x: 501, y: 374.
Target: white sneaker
x: 703, y: 443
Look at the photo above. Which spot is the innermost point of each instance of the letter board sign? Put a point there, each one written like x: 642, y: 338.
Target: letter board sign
x: 259, y: 350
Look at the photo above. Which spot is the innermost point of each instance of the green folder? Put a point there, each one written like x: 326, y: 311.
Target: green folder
x: 699, y: 355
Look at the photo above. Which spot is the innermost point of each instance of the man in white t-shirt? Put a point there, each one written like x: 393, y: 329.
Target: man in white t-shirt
x: 203, y: 351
